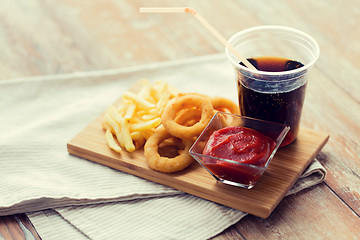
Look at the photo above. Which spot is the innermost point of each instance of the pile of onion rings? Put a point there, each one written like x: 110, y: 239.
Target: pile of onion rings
x: 183, y: 119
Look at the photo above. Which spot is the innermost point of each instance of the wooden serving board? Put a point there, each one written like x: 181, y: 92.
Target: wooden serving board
x: 283, y: 171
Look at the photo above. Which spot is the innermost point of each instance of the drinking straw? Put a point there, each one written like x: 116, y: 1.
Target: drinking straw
x: 204, y: 23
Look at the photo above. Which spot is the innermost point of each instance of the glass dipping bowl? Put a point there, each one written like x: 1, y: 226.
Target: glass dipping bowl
x: 226, y: 170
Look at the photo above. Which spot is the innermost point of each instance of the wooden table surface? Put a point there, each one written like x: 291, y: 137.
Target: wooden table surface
x: 54, y: 37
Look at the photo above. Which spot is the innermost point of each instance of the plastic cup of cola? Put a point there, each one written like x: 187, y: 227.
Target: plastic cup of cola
x: 274, y: 92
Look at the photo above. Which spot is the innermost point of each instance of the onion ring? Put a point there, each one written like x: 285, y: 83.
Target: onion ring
x: 225, y: 105
x: 166, y: 164
x: 186, y: 101
x: 188, y: 117
x: 193, y: 93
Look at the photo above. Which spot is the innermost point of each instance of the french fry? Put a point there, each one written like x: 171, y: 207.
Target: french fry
x: 112, y: 123
x: 137, y: 116
x: 114, y: 127
x: 140, y: 101
x: 162, y: 102
x: 107, y: 126
x: 147, y: 133
x: 147, y: 111
x: 139, y: 142
x: 114, y: 114
x: 143, y: 126
x: 137, y: 137
x: 150, y: 116
x: 130, y: 111
x: 111, y: 141
x: 125, y: 133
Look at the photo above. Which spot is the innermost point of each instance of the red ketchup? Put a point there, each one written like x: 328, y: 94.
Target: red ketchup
x: 240, y: 144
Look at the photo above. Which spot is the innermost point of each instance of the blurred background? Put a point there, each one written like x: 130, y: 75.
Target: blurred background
x: 47, y: 37
x: 40, y: 37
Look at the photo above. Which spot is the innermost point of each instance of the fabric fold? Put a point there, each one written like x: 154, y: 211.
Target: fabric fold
x: 69, y: 197
x: 174, y: 217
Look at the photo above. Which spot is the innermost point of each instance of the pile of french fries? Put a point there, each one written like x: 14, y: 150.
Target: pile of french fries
x: 130, y: 124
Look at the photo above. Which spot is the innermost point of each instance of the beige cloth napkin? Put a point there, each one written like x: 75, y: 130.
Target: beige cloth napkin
x: 86, y: 200
x: 174, y: 217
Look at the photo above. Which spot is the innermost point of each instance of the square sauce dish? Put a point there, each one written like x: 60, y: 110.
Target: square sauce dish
x: 236, y: 150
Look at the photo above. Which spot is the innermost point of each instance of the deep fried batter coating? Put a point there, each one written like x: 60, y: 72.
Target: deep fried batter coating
x: 166, y: 164
x: 225, y: 105
x: 188, y: 117
x: 168, y: 118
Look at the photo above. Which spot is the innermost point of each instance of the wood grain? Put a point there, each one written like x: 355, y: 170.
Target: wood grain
x: 17, y: 227
x: 283, y: 171
x: 50, y: 37
x: 291, y: 220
